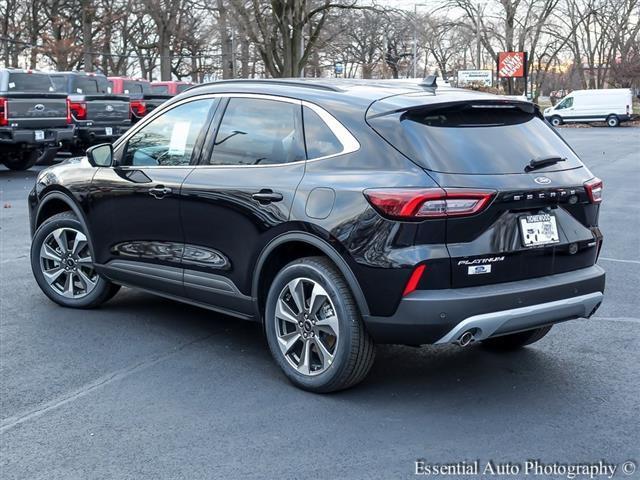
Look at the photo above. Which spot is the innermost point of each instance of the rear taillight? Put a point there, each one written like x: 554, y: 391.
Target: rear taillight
x: 77, y: 109
x: 138, y: 108
x: 594, y: 190
x: 414, y: 203
x: 4, y: 112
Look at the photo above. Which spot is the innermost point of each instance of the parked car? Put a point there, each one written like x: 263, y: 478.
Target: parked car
x: 338, y: 214
x: 612, y: 105
x: 33, y: 118
x: 98, y: 115
x: 170, y: 88
x: 142, y: 99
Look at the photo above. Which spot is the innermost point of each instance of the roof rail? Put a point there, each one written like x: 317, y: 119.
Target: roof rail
x: 275, y: 81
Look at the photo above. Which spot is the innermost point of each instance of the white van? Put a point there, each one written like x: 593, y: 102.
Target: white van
x: 613, y: 106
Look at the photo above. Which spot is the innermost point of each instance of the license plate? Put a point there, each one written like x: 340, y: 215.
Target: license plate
x: 539, y: 230
x: 108, y: 131
x: 39, y: 134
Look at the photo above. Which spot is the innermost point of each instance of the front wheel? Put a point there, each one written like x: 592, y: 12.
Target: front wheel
x: 62, y: 264
x: 515, y: 340
x: 613, y: 121
x: 314, y: 329
x: 556, y: 121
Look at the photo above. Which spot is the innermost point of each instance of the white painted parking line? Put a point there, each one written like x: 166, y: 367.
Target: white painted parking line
x: 617, y: 319
x: 637, y: 262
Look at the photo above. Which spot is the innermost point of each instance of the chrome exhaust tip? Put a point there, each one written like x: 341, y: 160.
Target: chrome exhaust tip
x: 466, y: 338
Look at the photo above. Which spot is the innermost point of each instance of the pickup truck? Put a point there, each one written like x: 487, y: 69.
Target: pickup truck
x: 34, y: 119
x: 141, y: 97
x: 170, y: 88
x: 98, y: 115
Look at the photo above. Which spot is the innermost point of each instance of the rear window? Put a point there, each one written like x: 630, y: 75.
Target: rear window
x: 161, y: 89
x: 184, y: 86
x: 59, y: 82
x: 133, y: 87
x: 88, y: 85
x: 30, y: 82
x: 478, y: 139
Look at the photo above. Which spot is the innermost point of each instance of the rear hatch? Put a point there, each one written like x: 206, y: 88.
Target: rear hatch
x: 32, y: 103
x: 540, y: 219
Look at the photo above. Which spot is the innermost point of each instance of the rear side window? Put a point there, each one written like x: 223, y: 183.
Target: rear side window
x: 161, y: 89
x: 474, y: 139
x: 258, y: 132
x: 319, y: 138
x: 30, y: 82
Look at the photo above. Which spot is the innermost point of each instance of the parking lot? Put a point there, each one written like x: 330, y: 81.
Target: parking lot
x: 147, y: 388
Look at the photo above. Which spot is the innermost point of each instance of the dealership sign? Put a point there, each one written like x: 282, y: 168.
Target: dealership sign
x: 470, y: 77
x: 511, y: 64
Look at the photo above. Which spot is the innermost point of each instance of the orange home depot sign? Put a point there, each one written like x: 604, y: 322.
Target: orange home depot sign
x: 511, y: 64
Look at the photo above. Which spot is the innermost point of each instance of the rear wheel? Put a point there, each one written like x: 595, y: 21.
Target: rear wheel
x: 314, y: 329
x: 613, y: 121
x: 22, y: 160
x: 556, y: 121
x: 515, y: 340
x: 62, y: 264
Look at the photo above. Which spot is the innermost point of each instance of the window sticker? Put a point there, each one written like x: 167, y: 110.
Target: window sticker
x: 179, y: 134
x: 126, y: 91
x: 78, y: 90
x: 12, y: 85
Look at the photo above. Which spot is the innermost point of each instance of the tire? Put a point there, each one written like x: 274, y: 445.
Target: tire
x: 556, y: 121
x: 65, y: 274
x: 349, y: 352
x: 515, y: 340
x: 22, y: 160
x: 613, y: 121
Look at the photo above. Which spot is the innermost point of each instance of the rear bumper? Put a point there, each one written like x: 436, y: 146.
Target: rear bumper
x: 23, y: 136
x: 98, y: 134
x: 442, y: 316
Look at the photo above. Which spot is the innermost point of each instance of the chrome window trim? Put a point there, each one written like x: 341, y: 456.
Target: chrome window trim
x: 349, y: 143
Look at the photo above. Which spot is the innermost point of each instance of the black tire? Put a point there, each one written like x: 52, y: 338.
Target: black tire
x: 515, y: 340
x: 103, y: 290
x: 613, y: 121
x: 354, y: 351
x: 22, y: 160
x: 556, y: 121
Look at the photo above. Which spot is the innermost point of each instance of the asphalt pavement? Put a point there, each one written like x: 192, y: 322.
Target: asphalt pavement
x: 145, y: 388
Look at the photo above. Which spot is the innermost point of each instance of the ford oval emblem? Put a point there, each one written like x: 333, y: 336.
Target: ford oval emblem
x: 39, y: 107
x: 542, y: 180
x: 109, y: 108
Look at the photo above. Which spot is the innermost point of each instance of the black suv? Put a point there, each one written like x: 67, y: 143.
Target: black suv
x: 34, y: 120
x: 337, y: 213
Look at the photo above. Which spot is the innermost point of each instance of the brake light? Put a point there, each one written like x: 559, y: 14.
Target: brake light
x: 594, y: 189
x: 138, y: 108
x: 4, y: 112
x: 77, y: 109
x: 414, y: 279
x: 414, y: 203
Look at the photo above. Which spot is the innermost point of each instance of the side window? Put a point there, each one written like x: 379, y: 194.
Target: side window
x: 566, y: 103
x: 258, y: 132
x: 169, y: 139
x: 319, y: 138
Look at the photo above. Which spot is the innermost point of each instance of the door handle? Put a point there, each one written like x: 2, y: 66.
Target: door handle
x: 266, y: 195
x: 159, y: 191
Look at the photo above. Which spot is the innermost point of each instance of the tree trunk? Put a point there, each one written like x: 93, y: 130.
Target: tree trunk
x: 87, y: 36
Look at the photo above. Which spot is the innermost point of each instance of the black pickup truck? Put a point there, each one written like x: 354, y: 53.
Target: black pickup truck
x: 98, y: 115
x: 34, y: 119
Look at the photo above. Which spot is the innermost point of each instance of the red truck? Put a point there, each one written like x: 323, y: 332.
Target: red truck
x: 142, y: 100
x: 170, y: 88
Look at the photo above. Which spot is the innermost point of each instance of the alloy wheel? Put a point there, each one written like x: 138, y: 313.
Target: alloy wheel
x: 66, y: 263
x: 307, y: 326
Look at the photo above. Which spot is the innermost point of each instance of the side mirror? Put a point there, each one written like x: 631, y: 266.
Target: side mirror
x: 100, y: 155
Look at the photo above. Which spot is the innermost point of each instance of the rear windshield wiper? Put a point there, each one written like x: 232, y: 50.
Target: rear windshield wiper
x: 540, y: 162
